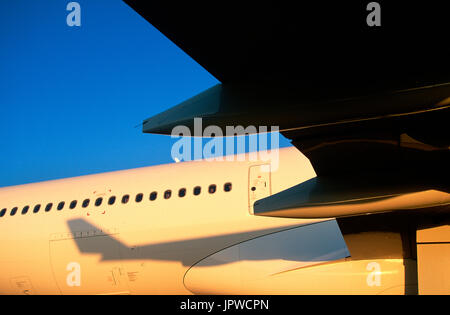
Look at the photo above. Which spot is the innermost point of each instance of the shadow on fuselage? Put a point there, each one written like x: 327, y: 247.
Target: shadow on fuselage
x: 292, y: 243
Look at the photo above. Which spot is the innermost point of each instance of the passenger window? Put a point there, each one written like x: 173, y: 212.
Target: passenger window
x: 36, y: 208
x: 2, y: 213
x: 197, y: 190
x: 125, y: 199
x: 153, y: 195
x: 167, y: 194
x: 73, y: 204
x: 139, y: 197
x: 227, y: 187
x: 13, y: 211
x: 25, y: 209
x: 212, y: 189
x: 85, y: 203
x: 182, y: 192
x: 112, y: 200
x: 48, y: 207
x: 61, y: 205
x: 98, y: 202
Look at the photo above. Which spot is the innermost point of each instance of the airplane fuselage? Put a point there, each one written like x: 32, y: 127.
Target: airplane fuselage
x: 180, y: 228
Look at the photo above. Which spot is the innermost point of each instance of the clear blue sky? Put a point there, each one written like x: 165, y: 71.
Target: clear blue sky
x: 71, y: 96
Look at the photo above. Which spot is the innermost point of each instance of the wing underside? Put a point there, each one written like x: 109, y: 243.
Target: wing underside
x: 368, y: 106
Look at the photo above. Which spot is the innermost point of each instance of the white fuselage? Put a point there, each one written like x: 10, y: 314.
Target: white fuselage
x: 155, y: 241
x: 208, y: 242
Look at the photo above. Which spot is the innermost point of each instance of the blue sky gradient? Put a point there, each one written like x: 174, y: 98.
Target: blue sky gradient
x: 71, y: 96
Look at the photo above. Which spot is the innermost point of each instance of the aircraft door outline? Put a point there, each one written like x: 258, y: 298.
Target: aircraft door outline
x: 259, y: 184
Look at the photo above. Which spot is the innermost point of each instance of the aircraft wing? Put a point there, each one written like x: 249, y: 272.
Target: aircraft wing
x: 369, y: 106
x: 310, y: 68
x: 323, y: 47
x: 345, y: 93
x: 373, y: 100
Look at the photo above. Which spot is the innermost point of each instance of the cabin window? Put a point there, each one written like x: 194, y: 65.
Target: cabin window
x: 182, y: 192
x: 167, y: 194
x: 36, y: 208
x: 227, y: 187
x: 48, y: 207
x: 139, y: 197
x: 125, y: 199
x: 85, y: 203
x: 153, y: 195
x: 212, y: 189
x: 73, y: 204
x: 197, y: 190
x: 2, y: 213
x: 98, y: 202
x: 112, y: 200
x: 13, y: 211
x: 61, y: 205
x: 25, y: 209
